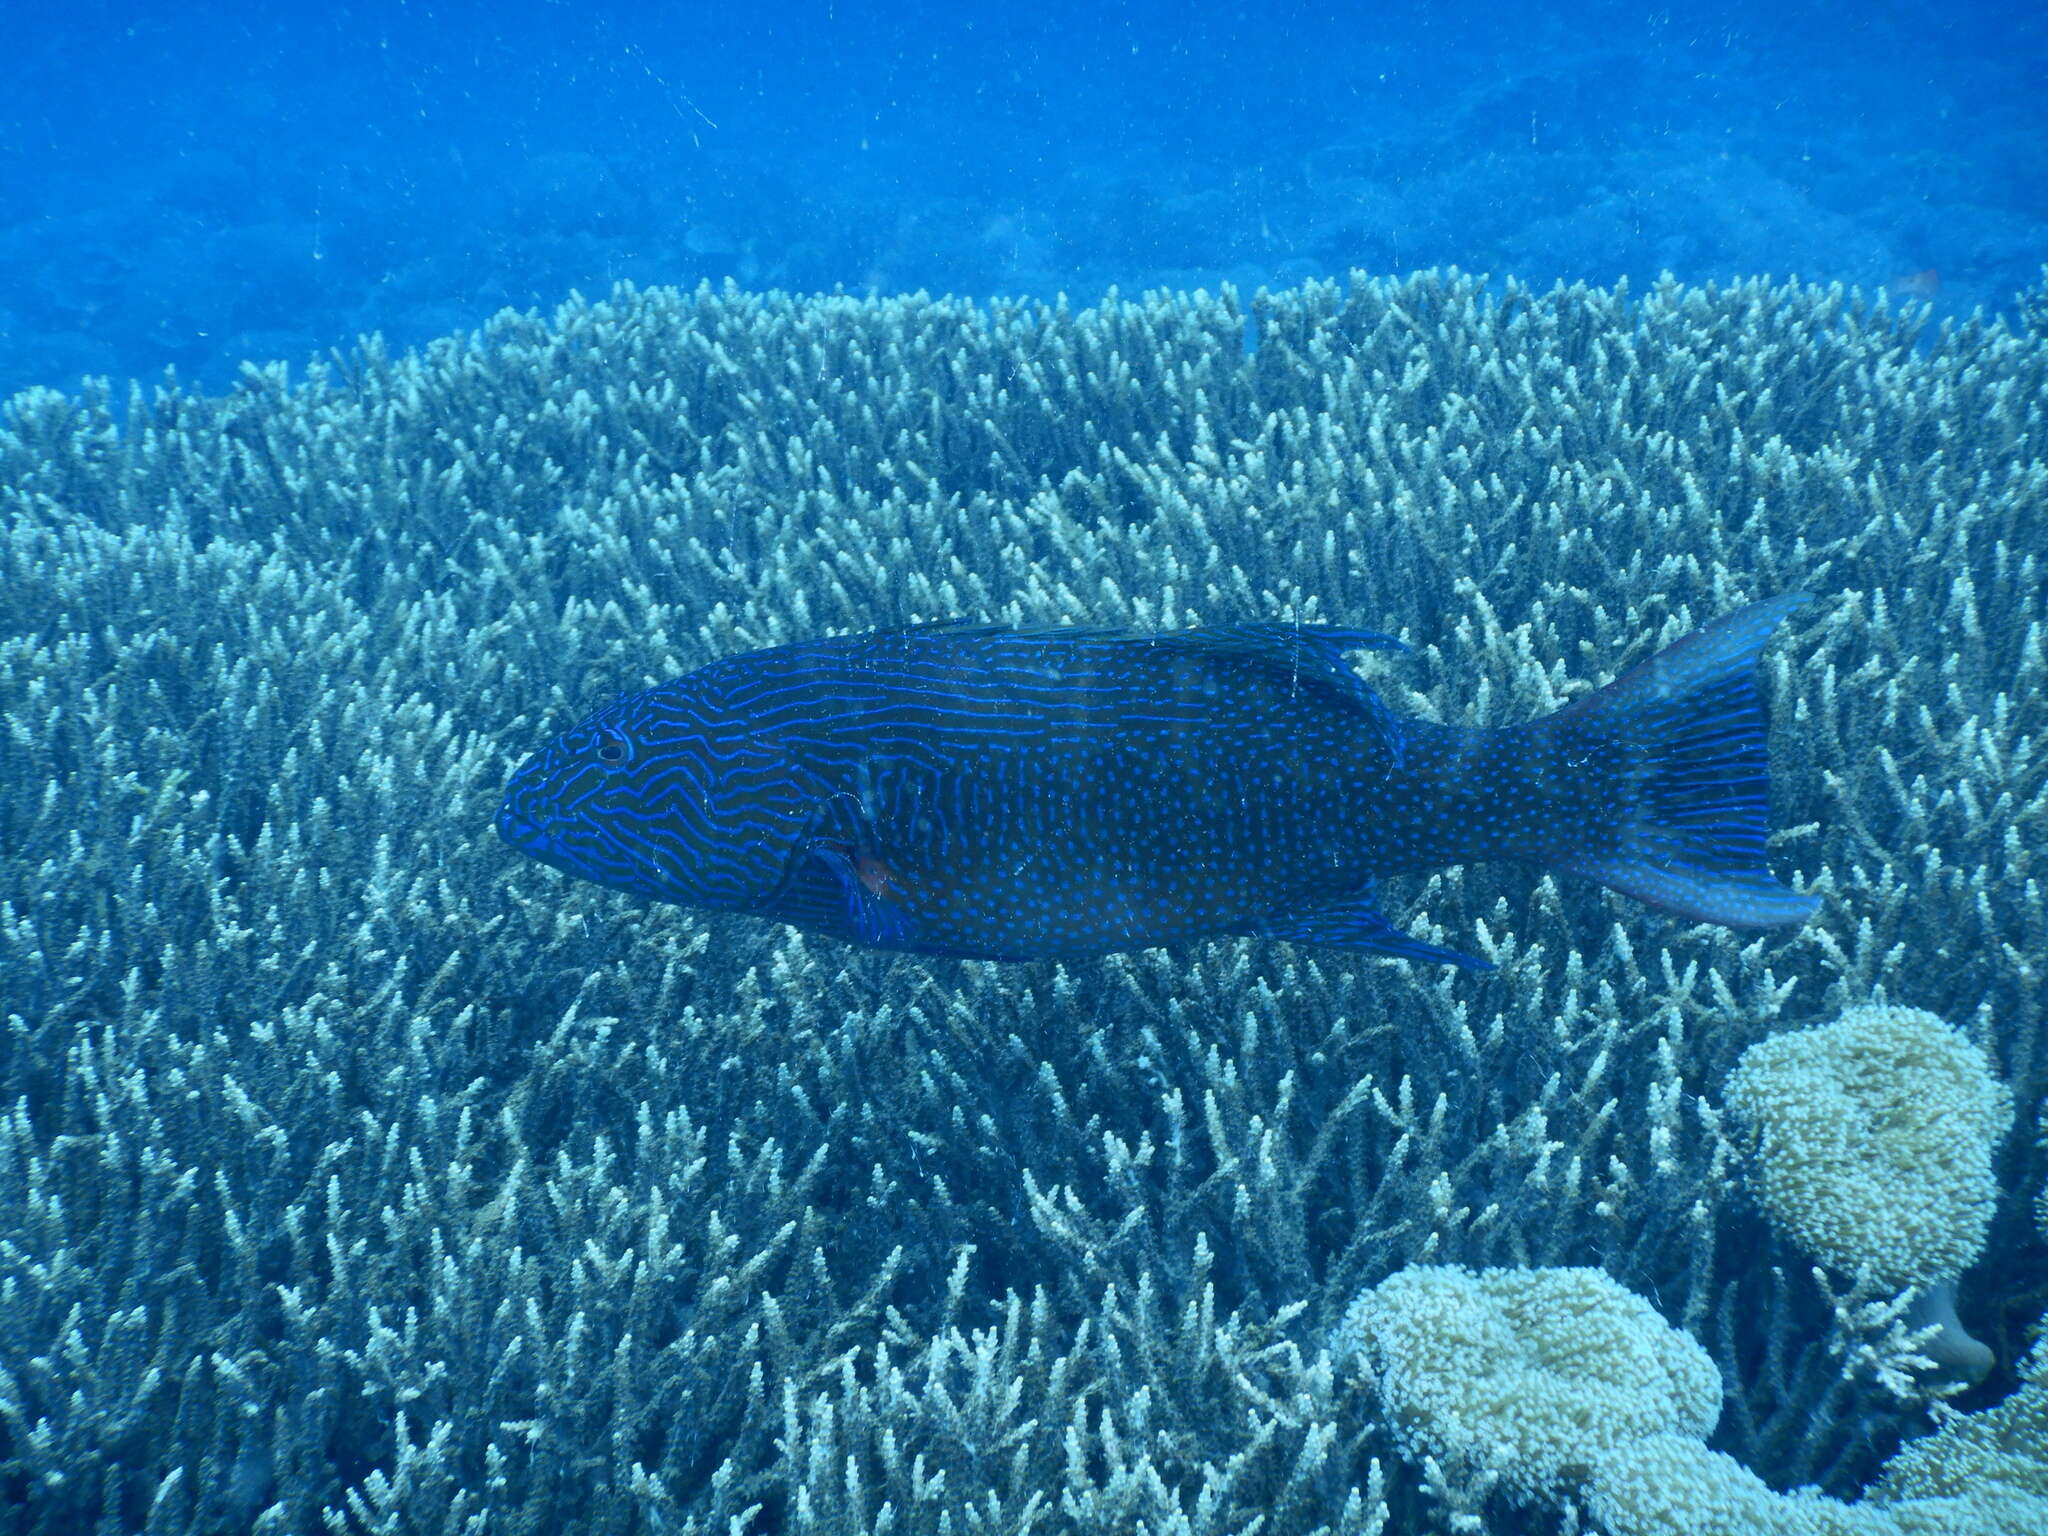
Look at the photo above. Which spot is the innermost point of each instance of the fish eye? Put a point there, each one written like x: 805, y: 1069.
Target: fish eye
x: 611, y: 747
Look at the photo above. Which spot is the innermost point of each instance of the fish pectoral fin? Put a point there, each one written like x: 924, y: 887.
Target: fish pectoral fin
x: 876, y: 914
x: 1358, y: 923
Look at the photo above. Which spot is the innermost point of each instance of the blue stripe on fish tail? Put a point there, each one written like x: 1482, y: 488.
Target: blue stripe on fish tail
x: 1681, y: 745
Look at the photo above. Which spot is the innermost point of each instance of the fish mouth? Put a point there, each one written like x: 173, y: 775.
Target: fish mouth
x: 523, y: 833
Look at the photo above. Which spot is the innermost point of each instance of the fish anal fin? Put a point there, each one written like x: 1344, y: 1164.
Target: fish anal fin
x: 1358, y: 923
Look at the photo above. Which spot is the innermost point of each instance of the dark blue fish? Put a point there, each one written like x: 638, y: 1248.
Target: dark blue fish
x: 1005, y: 794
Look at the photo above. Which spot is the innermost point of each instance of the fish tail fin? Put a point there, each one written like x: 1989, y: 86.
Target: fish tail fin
x: 1681, y: 739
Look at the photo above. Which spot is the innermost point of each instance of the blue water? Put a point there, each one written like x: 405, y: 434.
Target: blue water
x: 188, y: 187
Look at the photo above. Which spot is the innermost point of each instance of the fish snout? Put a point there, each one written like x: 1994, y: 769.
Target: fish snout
x: 520, y: 830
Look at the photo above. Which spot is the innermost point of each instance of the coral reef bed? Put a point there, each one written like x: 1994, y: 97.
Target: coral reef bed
x: 357, y: 1175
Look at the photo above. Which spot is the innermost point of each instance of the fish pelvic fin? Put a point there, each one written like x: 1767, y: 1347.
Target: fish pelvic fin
x: 1682, y: 740
x: 874, y: 915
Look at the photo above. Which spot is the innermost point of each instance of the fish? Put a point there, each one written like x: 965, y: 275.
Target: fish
x: 1924, y: 284
x: 1012, y: 794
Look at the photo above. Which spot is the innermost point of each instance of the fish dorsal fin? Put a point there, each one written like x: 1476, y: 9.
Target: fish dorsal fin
x: 1310, y: 655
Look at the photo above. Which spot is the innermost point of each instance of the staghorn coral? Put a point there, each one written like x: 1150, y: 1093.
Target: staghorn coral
x: 354, y: 1179
x: 2033, y: 305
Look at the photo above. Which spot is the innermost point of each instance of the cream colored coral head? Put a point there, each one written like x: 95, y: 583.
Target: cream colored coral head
x: 1872, y: 1139
x: 1529, y: 1373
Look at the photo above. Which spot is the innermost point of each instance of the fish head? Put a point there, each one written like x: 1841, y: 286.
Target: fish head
x: 663, y: 794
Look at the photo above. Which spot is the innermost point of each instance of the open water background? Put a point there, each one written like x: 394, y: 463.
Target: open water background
x: 187, y: 187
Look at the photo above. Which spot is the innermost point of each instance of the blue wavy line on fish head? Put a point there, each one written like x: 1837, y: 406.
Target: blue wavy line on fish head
x: 665, y: 794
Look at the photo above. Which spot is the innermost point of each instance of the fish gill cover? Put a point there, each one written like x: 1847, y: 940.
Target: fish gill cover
x: 358, y: 1175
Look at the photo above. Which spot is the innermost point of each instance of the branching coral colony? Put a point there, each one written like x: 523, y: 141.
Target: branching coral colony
x: 348, y: 1183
